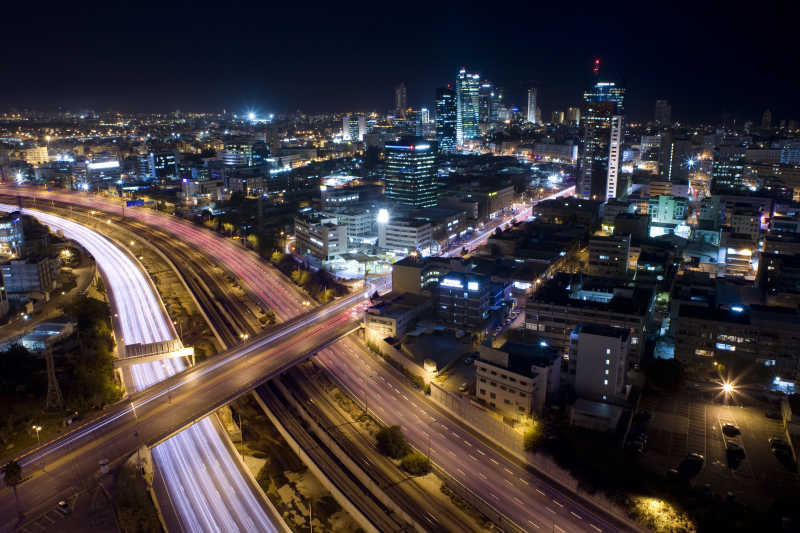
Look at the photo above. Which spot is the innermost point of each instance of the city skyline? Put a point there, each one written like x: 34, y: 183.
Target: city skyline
x: 250, y: 61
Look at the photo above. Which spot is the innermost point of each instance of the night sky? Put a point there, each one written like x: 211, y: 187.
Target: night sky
x: 707, y: 60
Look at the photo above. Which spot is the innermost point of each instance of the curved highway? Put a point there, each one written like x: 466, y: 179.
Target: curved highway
x: 533, y: 501
x: 205, y: 485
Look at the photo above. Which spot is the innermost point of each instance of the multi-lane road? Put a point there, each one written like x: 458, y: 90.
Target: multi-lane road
x: 529, y: 500
x: 204, y: 484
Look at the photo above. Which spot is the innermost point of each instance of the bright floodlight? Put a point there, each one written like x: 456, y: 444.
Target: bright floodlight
x: 251, y: 115
x: 383, y: 216
x: 727, y: 388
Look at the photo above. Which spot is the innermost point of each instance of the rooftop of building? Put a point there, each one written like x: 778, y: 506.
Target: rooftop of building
x: 754, y: 315
x: 570, y: 203
x: 604, y: 331
x: 397, y: 304
x: 524, y: 358
x: 625, y: 296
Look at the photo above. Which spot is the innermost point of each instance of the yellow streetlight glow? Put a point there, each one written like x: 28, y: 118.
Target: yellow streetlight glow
x: 727, y: 388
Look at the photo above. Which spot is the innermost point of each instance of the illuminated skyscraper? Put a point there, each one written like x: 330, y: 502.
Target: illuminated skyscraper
x: 411, y: 173
x: 603, y: 107
x: 467, y: 88
x: 446, y: 118
x: 532, y: 106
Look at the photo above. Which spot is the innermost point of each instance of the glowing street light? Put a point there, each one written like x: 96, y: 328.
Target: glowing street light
x: 37, y: 429
x: 727, y: 387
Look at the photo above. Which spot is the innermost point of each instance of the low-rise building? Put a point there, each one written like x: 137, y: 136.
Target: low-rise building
x: 463, y: 299
x: 404, y: 235
x: 570, y: 210
x: 392, y: 315
x: 11, y: 238
x: 319, y: 237
x: 568, y: 300
x: 23, y: 277
x: 600, y: 355
x: 609, y: 256
x: 755, y: 334
x: 517, y: 379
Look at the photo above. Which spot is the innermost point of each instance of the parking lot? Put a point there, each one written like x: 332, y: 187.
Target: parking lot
x: 688, y: 423
x: 87, y: 512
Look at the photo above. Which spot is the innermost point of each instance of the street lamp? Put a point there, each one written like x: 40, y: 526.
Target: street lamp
x: 37, y: 429
x: 727, y: 387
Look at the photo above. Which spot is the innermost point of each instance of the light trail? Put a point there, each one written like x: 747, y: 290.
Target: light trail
x: 204, y: 483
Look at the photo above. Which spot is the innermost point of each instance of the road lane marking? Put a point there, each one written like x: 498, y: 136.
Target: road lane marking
x: 552, y: 511
x: 493, y: 495
x: 493, y: 460
x: 534, y: 524
x: 576, y: 515
x: 482, y: 452
x: 559, y: 504
x: 595, y: 527
x: 540, y: 491
x: 483, y: 476
x: 468, y: 444
x: 519, y: 502
x: 473, y: 457
x: 508, y: 470
x: 460, y: 471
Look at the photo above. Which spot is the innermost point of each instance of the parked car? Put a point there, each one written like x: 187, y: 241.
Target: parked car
x: 731, y: 430
x: 463, y: 387
x: 734, y: 448
x: 691, y: 465
x: 779, y: 444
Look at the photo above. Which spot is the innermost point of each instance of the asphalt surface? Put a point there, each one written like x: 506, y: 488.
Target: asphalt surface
x: 529, y: 500
x: 205, y: 485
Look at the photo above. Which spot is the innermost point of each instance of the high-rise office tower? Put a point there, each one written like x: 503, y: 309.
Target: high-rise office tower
x: 411, y: 173
x: 497, y: 105
x: 614, y: 149
x: 400, y: 99
x: 603, y: 109
x: 446, y: 118
x: 574, y: 116
x: 663, y: 114
x: 532, y: 106
x: 558, y: 117
x: 485, y: 92
x: 354, y: 128
x: 766, y: 119
x: 467, y: 87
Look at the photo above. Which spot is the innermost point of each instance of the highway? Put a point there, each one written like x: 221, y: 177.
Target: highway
x: 533, y: 502
x: 204, y: 483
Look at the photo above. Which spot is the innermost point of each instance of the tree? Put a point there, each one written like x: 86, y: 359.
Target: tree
x: 276, y: 257
x: 392, y: 442
x: 416, y: 464
x: 12, y: 474
x: 252, y: 241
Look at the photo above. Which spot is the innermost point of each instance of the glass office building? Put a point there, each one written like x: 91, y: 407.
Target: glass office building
x: 467, y: 106
x: 411, y: 173
x: 446, y: 118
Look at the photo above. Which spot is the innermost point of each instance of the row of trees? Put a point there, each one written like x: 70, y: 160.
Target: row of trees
x: 319, y: 284
x: 392, y: 442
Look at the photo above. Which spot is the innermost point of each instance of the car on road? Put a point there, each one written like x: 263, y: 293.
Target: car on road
x: 463, y: 387
x: 63, y: 507
x: 731, y: 430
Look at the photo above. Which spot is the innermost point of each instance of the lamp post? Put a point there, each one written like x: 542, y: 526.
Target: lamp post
x: 37, y: 429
